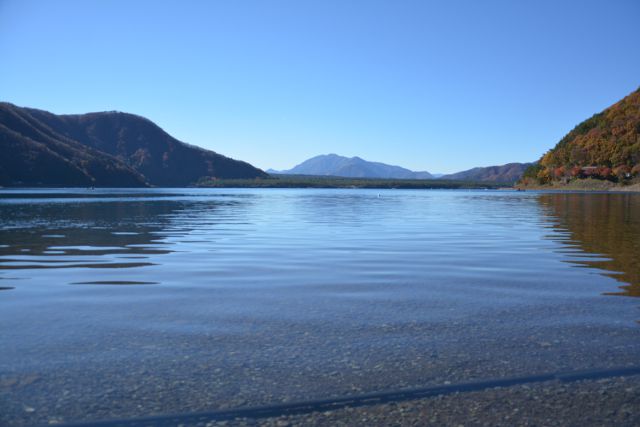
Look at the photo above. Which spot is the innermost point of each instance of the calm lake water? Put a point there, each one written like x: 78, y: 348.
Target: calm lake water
x: 121, y: 303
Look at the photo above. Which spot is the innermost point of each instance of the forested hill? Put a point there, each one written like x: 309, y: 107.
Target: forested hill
x: 506, y: 174
x: 39, y: 148
x: 605, y: 146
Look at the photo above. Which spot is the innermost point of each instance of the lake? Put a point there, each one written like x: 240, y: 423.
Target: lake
x: 122, y: 303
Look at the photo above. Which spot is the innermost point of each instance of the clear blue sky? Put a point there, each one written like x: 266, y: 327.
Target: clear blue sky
x: 438, y: 86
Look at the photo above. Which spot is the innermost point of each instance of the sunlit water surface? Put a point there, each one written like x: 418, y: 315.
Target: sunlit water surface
x: 121, y: 303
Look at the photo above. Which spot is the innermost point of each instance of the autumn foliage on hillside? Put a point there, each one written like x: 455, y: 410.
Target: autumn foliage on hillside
x: 606, y: 146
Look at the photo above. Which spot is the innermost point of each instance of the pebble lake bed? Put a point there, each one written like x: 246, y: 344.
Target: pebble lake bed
x: 118, y: 304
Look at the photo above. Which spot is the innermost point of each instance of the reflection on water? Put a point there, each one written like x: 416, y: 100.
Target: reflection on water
x: 114, y: 231
x: 607, y: 225
x: 195, y: 300
x: 51, y: 235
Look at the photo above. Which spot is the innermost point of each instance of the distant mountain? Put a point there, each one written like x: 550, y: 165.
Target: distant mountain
x: 351, y: 167
x: 605, y: 146
x: 111, y: 149
x: 508, y: 174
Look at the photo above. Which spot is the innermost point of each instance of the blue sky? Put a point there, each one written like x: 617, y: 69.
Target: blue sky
x: 438, y: 86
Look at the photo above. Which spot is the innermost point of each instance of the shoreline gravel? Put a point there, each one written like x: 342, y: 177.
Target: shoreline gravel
x: 605, y: 402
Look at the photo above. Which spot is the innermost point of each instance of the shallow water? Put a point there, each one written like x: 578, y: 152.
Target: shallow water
x: 121, y: 303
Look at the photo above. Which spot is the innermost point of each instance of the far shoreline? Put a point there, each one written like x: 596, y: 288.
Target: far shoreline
x: 327, y: 182
x: 583, y: 186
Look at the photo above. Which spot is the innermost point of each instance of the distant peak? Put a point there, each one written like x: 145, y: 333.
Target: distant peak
x: 336, y: 165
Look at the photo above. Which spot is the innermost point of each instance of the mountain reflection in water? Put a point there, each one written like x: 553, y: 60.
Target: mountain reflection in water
x: 126, y: 303
x: 105, y: 234
x: 607, y: 225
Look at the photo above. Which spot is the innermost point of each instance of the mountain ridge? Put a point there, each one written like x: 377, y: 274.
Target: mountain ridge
x: 102, y: 149
x: 356, y: 167
x: 351, y: 167
x: 508, y: 173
